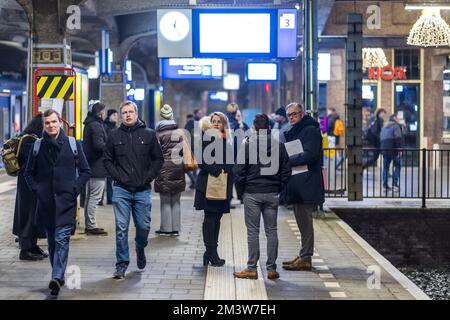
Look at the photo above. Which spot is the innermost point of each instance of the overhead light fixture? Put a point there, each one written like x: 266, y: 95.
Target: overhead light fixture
x: 430, y: 30
x: 416, y: 6
x: 374, y: 58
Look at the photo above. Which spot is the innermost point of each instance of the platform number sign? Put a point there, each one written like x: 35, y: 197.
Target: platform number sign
x: 287, y: 21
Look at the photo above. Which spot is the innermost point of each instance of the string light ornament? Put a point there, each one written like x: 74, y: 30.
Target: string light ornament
x: 374, y: 58
x: 430, y: 30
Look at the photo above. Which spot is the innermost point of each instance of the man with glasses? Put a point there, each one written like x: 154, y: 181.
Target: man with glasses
x: 133, y: 158
x: 305, y: 189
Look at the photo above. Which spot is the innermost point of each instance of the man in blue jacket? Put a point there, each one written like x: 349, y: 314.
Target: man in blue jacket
x: 305, y: 189
x: 56, y: 172
x: 133, y: 158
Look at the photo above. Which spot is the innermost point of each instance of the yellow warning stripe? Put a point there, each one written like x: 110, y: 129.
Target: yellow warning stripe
x: 66, y: 86
x: 52, y: 87
x: 41, y: 83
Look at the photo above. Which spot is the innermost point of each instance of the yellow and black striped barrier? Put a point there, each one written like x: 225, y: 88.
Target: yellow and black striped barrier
x: 51, y: 87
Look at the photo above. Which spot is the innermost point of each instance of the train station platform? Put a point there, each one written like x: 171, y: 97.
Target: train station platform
x: 344, y: 265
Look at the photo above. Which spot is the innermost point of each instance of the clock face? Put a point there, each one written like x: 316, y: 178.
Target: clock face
x: 174, y: 26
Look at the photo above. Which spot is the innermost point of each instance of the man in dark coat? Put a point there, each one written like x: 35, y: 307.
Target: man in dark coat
x: 305, y: 189
x: 94, y: 142
x: 391, y: 138
x: 56, y: 176
x: 133, y: 158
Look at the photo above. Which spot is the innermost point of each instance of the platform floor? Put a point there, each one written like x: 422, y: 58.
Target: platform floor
x: 345, y: 266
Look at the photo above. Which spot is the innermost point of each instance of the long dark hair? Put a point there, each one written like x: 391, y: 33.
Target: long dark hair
x: 35, y: 126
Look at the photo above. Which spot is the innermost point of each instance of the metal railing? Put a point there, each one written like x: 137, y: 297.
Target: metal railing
x: 412, y: 173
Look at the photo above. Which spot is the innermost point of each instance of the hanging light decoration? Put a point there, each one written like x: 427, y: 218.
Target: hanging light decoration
x: 430, y: 30
x: 374, y: 57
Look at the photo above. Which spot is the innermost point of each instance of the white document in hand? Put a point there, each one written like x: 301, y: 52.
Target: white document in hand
x: 293, y: 148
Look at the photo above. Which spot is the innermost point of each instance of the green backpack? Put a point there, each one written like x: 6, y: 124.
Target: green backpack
x: 10, y: 154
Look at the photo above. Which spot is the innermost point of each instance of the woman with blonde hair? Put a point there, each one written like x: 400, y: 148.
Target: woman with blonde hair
x: 215, y: 130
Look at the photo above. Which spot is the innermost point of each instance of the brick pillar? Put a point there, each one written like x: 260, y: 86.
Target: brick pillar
x: 50, y: 43
x: 354, y: 107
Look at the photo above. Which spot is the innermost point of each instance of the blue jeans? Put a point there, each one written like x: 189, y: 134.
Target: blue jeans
x: 58, y: 249
x: 387, y: 159
x: 139, y: 205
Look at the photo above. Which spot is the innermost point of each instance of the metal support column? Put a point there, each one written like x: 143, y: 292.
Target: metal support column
x: 354, y: 106
x: 310, y: 55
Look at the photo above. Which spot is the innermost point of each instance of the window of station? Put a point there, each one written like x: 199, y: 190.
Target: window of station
x: 407, y: 106
x: 446, y: 106
x: 409, y: 58
x: 369, y: 106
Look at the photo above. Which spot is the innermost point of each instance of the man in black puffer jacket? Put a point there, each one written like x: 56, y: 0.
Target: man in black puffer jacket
x: 133, y: 158
x: 94, y: 142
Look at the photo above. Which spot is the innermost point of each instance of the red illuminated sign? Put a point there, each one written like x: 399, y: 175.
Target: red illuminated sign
x: 387, y: 73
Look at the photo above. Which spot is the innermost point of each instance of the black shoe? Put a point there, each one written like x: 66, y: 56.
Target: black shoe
x: 214, y: 261
x: 120, y: 272
x: 100, y: 204
x: 29, y: 256
x: 141, y: 260
x: 96, y: 232
x: 37, y: 250
x: 164, y: 233
x: 55, y: 286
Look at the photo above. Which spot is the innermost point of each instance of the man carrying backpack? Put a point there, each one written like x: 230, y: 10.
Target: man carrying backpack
x: 56, y: 172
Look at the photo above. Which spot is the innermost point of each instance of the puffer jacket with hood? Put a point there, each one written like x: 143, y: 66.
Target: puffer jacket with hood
x: 171, y: 177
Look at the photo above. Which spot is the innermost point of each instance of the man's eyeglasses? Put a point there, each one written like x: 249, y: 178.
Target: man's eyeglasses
x: 293, y: 114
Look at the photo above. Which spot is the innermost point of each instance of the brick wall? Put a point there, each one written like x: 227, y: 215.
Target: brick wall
x: 404, y: 237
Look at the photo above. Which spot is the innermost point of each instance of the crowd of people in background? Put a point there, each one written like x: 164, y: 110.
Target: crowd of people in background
x: 219, y: 152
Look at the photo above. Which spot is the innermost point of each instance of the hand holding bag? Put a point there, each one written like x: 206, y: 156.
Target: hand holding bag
x: 216, y: 188
x: 190, y: 164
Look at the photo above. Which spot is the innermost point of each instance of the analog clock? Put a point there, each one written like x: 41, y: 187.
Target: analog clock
x: 174, y: 26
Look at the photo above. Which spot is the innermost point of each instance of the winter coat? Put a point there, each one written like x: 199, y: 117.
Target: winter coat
x: 215, y: 168
x: 94, y: 143
x: 26, y: 202
x: 391, y: 137
x: 171, y: 177
x: 52, y: 176
x: 133, y: 157
x: 306, y: 187
x: 250, y: 176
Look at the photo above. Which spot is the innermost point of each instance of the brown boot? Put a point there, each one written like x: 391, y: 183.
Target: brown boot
x: 246, y: 274
x: 299, y: 265
x: 272, y: 275
x: 291, y: 261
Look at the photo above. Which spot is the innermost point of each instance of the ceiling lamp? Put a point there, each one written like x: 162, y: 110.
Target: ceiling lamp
x: 374, y: 57
x: 430, y: 30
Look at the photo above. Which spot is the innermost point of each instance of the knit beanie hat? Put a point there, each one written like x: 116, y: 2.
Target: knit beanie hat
x: 166, y: 112
x: 111, y: 112
x: 281, y: 111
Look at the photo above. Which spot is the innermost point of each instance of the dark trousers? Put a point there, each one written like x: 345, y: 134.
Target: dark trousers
x: 211, y: 230
x: 372, y: 158
x: 27, y: 243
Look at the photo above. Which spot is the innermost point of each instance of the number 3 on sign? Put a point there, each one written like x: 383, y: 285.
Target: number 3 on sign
x: 287, y: 21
